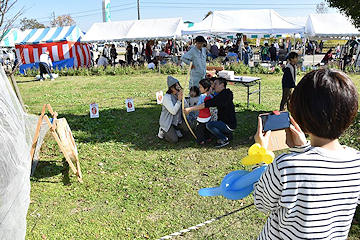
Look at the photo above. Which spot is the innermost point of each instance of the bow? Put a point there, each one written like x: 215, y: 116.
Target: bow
x: 183, y: 105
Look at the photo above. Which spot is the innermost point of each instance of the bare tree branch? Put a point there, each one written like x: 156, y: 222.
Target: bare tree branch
x: 6, y: 21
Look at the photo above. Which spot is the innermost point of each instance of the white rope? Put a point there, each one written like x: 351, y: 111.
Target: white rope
x: 202, y: 224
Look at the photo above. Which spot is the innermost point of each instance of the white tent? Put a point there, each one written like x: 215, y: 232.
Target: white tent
x: 162, y: 28
x: 301, y: 21
x: 330, y: 25
x: 107, y: 31
x: 265, y: 21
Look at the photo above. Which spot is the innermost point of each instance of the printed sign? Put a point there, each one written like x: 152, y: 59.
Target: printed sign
x: 129, y: 105
x: 159, y: 97
x: 94, y: 110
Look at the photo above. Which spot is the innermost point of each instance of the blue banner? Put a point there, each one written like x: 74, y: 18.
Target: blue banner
x: 67, y: 63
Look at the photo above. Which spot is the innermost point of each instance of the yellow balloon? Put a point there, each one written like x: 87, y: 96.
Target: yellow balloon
x: 254, y: 149
x: 252, y: 160
x: 258, y: 154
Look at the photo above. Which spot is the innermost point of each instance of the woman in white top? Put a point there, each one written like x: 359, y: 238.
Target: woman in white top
x: 312, y: 192
x: 170, y: 118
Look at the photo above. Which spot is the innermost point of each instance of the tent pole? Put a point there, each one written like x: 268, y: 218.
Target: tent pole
x: 314, y: 56
x: 17, y: 91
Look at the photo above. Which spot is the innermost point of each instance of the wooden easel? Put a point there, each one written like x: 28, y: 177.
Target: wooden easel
x: 70, y: 153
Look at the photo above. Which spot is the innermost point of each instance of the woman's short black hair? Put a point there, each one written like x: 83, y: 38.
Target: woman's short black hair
x: 222, y: 80
x: 205, y: 83
x: 292, y: 55
x: 196, y: 90
x: 324, y: 103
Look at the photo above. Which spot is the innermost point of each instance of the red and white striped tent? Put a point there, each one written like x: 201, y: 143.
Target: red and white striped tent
x: 63, y: 44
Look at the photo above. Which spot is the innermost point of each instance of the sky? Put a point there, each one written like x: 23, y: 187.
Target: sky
x: 87, y: 12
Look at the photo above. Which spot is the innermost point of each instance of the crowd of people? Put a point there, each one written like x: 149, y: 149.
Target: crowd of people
x: 136, y: 53
x: 152, y: 53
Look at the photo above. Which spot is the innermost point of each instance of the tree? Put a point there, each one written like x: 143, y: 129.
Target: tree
x: 7, y: 18
x: 321, y: 8
x: 62, y: 21
x: 349, y: 8
x: 208, y: 14
x: 30, y: 23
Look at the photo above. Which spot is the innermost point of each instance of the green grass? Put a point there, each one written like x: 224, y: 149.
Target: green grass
x: 135, y: 185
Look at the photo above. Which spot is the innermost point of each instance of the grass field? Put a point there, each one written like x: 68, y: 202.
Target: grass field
x: 135, y: 185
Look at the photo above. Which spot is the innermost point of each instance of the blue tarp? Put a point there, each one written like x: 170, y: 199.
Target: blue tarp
x: 67, y: 63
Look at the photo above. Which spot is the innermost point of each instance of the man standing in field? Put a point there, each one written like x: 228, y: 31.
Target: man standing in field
x: 44, y: 65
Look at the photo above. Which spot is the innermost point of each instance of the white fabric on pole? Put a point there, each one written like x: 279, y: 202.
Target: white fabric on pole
x: 16, y: 132
x: 162, y: 28
x: 330, y: 25
x: 265, y: 21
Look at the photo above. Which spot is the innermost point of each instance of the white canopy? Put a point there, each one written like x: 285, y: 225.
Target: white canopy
x: 162, y: 28
x: 330, y: 25
x: 244, y: 21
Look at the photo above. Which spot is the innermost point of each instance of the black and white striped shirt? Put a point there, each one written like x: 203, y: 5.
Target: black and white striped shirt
x: 310, y: 195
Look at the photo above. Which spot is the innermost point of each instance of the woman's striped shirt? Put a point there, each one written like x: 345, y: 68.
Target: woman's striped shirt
x: 311, y: 194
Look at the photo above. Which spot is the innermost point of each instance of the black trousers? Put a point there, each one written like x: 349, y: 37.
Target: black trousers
x: 201, y: 132
x: 286, y: 94
x: 44, y: 68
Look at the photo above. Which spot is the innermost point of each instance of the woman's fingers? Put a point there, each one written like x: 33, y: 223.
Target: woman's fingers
x: 293, y: 129
x: 294, y: 123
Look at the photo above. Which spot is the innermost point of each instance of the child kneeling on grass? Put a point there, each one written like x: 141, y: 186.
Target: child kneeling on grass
x: 312, y: 192
x: 204, y: 116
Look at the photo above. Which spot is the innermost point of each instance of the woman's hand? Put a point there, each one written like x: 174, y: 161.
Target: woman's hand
x: 260, y: 137
x: 180, y: 95
x: 187, y: 111
x: 294, y: 135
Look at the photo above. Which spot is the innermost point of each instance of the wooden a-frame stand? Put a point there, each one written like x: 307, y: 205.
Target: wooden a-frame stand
x: 70, y: 155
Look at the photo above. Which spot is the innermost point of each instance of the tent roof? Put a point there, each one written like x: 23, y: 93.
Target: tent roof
x: 244, y: 21
x: 107, y: 31
x: 301, y: 21
x: 11, y: 37
x: 330, y: 25
x: 47, y: 35
x: 161, y: 28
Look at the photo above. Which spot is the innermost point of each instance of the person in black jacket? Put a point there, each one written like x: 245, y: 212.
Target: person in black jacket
x: 272, y: 51
x: 224, y: 127
x: 288, y: 79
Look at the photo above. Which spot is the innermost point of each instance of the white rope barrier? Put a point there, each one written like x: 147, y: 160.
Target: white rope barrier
x: 202, y: 224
